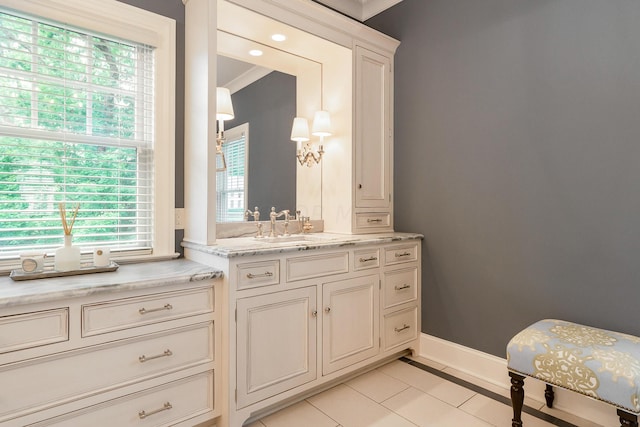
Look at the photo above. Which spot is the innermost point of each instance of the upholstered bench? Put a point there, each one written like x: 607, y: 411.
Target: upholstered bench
x: 598, y: 363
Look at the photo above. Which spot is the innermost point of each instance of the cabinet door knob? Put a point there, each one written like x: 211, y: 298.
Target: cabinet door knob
x: 359, y: 186
x: 327, y: 310
x: 314, y: 313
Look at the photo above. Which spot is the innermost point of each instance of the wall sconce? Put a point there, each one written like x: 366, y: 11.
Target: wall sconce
x: 224, y: 111
x: 300, y: 133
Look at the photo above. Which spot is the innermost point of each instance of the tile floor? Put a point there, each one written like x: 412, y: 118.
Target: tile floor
x: 401, y: 395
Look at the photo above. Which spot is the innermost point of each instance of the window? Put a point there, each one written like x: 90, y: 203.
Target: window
x: 231, y: 184
x: 78, y: 125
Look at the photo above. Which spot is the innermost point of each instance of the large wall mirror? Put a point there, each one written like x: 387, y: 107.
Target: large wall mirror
x: 260, y: 158
x: 268, y: 91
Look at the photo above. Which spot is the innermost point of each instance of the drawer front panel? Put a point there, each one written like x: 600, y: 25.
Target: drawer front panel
x: 159, y: 406
x: 264, y: 273
x: 400, y: 286
x: 309, y: 267
x: 401, y: 253
x: 400, y: 327
x: 365, y: 220
x: 126, y: 313
x: 33, y: 329
x: 369, y: 258
x: 52, y: 380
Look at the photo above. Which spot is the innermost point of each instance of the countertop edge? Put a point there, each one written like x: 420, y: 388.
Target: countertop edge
x: 246, y: 247
x: 127, y: 277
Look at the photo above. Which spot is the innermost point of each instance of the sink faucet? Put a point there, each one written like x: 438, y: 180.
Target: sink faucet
x: 255, y: 214
x: 273, y: 215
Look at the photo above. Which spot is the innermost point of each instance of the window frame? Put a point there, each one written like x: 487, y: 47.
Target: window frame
x: 120, y: 20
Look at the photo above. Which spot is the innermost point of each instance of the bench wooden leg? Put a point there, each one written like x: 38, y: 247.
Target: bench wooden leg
x: 627, y: 419
x: 549, y: 395
x: 517, y: 398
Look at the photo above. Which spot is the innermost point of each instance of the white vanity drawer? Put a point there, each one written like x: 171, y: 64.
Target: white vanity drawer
x: 367, y: 258
x: 401, y: 253
x: 48, y: 381
x: 164, y: 405
x: 400, y: 286
x: 33, y: 329
x: 400, y: 327
x: 308, y: 267
x: 264, y: 273
x: 365, y: 220
x: 126, y: 313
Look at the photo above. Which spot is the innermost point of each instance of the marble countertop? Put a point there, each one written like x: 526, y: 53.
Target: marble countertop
x: 251, y: 246
x: 127, y: 277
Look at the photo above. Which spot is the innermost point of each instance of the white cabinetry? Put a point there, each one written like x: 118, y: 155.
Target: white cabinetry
x: 276, y: 335
x: 115, y: 359
x: 296, y: 322
x: 350, y: 322
x: 372, y: 148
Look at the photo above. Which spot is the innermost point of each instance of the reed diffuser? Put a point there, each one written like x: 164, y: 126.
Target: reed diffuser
x: 67, y: 257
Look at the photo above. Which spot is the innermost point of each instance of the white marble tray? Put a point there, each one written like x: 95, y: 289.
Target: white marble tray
x: 20, y: 274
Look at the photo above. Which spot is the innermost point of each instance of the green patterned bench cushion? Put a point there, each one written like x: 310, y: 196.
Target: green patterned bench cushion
x: 598, y: 363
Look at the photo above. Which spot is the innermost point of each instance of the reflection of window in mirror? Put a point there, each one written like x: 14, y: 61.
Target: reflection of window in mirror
x: 231, y: 184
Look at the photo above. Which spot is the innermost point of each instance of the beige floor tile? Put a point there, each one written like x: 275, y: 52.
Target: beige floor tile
x: 352, y: 409
x: 300, y: 414
x: 506, y: 392
x: 446, y: 391
x: 570, y: 418
x: 497, y: 413
x: 377, y: 385
x: 427, y: 411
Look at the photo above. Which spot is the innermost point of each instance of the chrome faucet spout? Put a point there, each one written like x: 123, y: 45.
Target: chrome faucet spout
x: 255, y: 214
x: 273, y: 215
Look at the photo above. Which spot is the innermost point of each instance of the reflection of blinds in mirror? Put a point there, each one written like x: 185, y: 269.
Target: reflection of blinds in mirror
x: 231, y: 188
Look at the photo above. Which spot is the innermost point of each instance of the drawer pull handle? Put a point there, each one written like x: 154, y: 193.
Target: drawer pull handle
x: 402, y: 329
x: 144, y: 358
x: 403, y: 254
x: 254, y: 276
x: 145, y: 414
x: 399, y: 288
x: 374, y: 220
x: 372, y: 258
x: 164, y: 307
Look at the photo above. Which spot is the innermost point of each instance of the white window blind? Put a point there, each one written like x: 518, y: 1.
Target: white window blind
x: 76, y: 127
x: 231, y: 183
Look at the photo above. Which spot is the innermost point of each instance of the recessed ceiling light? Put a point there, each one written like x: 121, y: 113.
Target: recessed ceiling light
x: 278, y: 37
x: 255, y: 52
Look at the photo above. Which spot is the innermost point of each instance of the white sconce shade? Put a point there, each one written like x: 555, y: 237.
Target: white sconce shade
x: 300, y: 129
x: 224, y: 108
x: 321, y: 124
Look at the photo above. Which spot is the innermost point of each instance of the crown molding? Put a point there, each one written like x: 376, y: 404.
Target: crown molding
x: 360, y: 10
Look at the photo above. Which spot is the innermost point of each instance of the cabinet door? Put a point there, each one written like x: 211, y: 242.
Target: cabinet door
x: 350, y: 328
x: 373, y: 129
x: 276, y: 348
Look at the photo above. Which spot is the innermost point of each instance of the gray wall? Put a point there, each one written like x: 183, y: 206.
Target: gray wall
x: 517, y: 154
x: 269, y: 106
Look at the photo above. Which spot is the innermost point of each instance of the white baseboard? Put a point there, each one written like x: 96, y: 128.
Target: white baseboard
x: 493, y: 369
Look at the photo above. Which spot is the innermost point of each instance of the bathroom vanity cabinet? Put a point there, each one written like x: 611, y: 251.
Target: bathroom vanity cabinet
x: 111, y: 349
x: 297, y: 318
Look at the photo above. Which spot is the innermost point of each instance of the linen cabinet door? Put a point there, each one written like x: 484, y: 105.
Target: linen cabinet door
x: 276, y: 349
x: 373, y: 130
x: 350, y: 323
